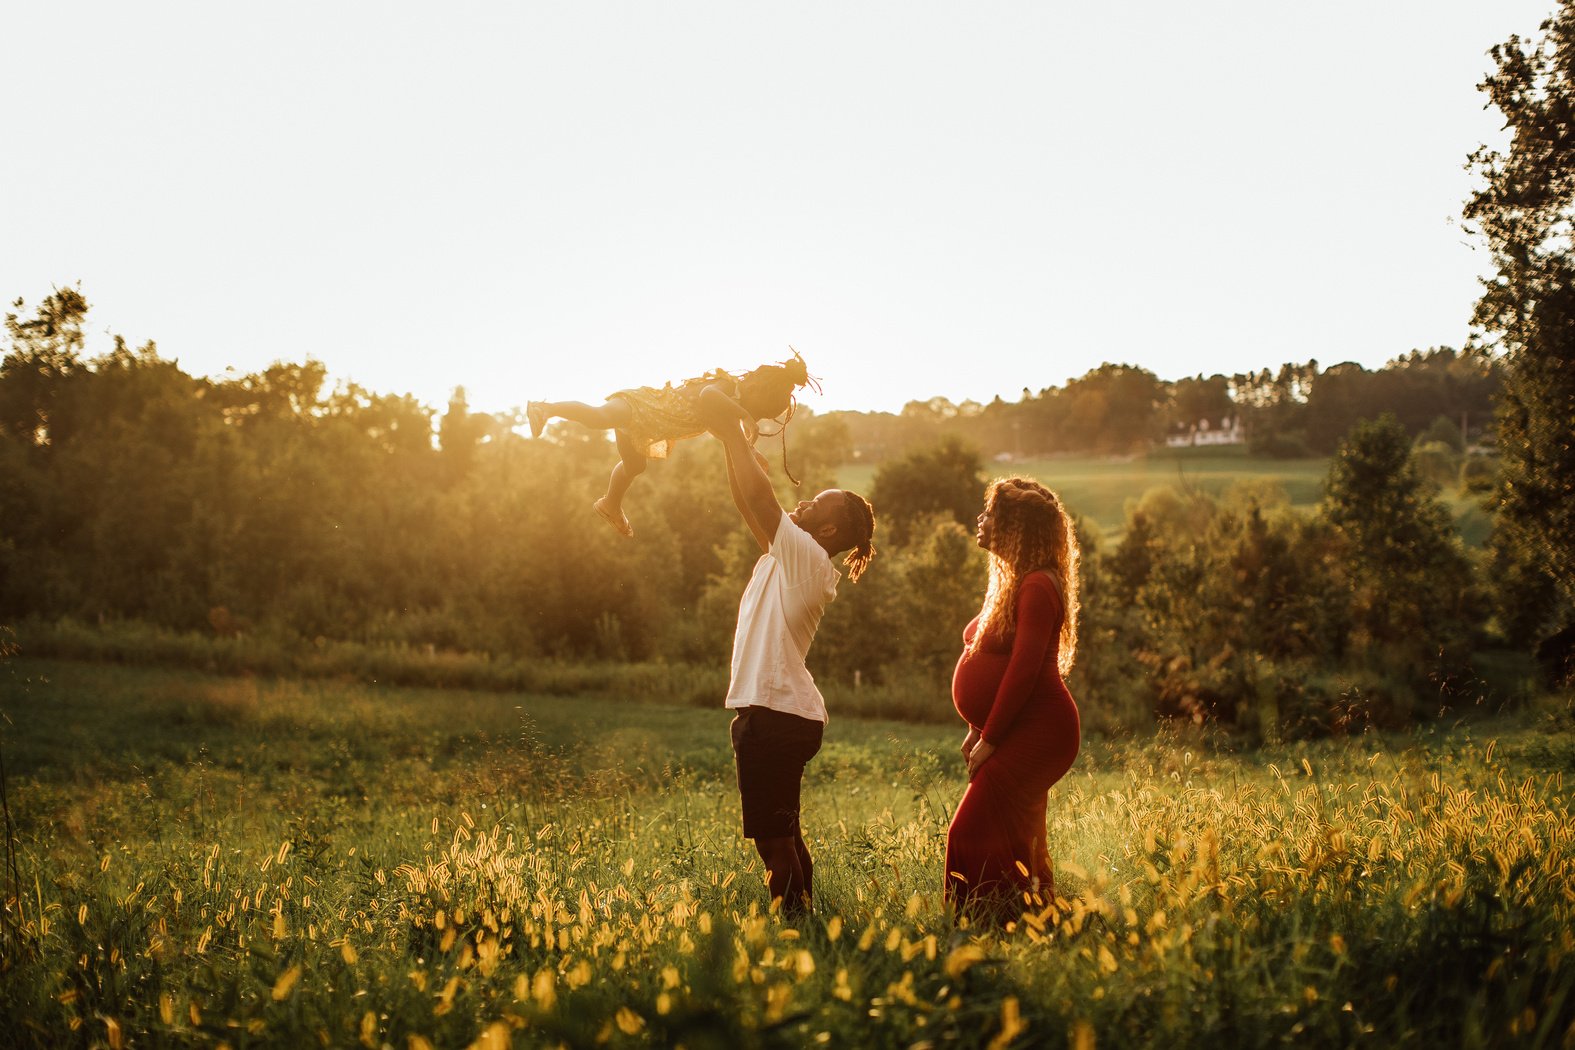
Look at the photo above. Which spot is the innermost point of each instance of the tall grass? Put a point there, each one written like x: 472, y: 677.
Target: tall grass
x: 919, y: 698
x: 269, y: 863
x: 134, y: 642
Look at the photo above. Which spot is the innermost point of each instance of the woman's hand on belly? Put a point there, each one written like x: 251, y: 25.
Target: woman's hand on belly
x: 969, y: 742
x: 977, y: 757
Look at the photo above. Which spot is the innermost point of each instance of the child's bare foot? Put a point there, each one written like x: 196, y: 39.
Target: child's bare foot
x: 536, y: 413
x: 614, y: 518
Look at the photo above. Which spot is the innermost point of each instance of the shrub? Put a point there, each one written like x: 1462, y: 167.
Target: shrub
x: 1437, y: 463
x: 1281, y: 446
x: 1478, y: 473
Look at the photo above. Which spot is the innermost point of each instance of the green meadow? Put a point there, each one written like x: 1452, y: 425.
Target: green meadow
x: 206, y: 860
x: 1100, y: 488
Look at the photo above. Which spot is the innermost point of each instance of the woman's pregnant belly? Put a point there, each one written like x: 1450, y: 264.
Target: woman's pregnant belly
x: 975, y: 683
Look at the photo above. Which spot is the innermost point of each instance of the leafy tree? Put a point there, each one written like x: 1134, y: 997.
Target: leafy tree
x: 946, y: 477
x: 1444, y: 431
x: 1419, y: 389
x: 1106, y: 635
x: 942, y: 579
x: 1191, y: 607
x: 1114, y: 408
x: 1479, y: 473
x: 1436, y: 462
x: 1128, y: 567
x: 1274, y: 406
x: 459, y: 433
x: 1414, y: 606
x: 1206, y: 597
x: 1339, y: 398
x: 813, y: 446
x: 1196, y: 401
x: 1527, y: 310
x: 44, y: 352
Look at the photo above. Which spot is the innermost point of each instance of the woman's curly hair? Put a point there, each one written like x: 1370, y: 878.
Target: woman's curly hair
x: 860, y: 525
x: 1031, y: 530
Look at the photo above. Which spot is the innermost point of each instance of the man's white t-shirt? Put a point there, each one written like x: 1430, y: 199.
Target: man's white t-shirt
x: 792, y: 584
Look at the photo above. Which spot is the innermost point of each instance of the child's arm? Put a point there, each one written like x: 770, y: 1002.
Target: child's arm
x: 716, y: 404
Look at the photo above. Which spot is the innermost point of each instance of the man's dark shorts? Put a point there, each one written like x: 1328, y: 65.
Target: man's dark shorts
x: 771, y: 749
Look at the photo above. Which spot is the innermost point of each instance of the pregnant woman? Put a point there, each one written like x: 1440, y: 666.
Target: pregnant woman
x: 1023, y: 725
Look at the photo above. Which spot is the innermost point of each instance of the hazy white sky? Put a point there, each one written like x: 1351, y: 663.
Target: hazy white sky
x: 559, y: 199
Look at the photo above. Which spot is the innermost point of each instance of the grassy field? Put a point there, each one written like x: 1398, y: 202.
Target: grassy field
x: 1099, y: 488
x: 271, y: 862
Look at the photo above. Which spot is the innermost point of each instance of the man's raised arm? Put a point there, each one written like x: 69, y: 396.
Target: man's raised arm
x: 760, y: 535
x: 752, y: 494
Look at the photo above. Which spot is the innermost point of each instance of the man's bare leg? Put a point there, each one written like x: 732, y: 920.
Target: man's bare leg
x: 785, y: 875
x: 807, y: 866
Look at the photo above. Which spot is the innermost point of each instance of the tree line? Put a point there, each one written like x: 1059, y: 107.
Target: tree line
x: 279, y: 503
x: 1118, y: 409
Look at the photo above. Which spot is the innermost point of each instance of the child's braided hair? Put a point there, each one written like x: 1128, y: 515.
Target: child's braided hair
x: 778, y: 384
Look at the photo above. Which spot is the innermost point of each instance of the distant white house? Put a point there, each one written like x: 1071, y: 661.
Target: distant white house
x: 1229, y: 432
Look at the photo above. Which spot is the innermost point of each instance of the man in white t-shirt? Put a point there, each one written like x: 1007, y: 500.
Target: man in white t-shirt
x: 781, y: 715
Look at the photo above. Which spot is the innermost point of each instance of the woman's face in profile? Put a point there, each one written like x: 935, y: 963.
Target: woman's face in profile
x: 984, y: 534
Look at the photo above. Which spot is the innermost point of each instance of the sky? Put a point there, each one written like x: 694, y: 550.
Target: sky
x: 555, y: 200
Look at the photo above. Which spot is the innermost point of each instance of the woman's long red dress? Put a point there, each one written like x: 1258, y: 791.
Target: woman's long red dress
x: 1013, y: 694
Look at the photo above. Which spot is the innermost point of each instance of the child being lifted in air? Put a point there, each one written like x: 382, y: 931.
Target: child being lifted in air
x: 646, y: 421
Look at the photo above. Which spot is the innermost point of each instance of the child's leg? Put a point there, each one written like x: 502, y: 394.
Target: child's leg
x: 607, y: 416
x: 630, y: 466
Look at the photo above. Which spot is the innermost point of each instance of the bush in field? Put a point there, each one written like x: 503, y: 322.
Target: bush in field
x: 1414, y: 608
x: 1437, y: 463
x: 1111, y: 696
x: 1237, y: 610
x: 1443, y: 431
x: 942, y: 581
x: 1478, y: 474
x: 1274, y: 445
x: 944, y: 478
x: 1214, y: 595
